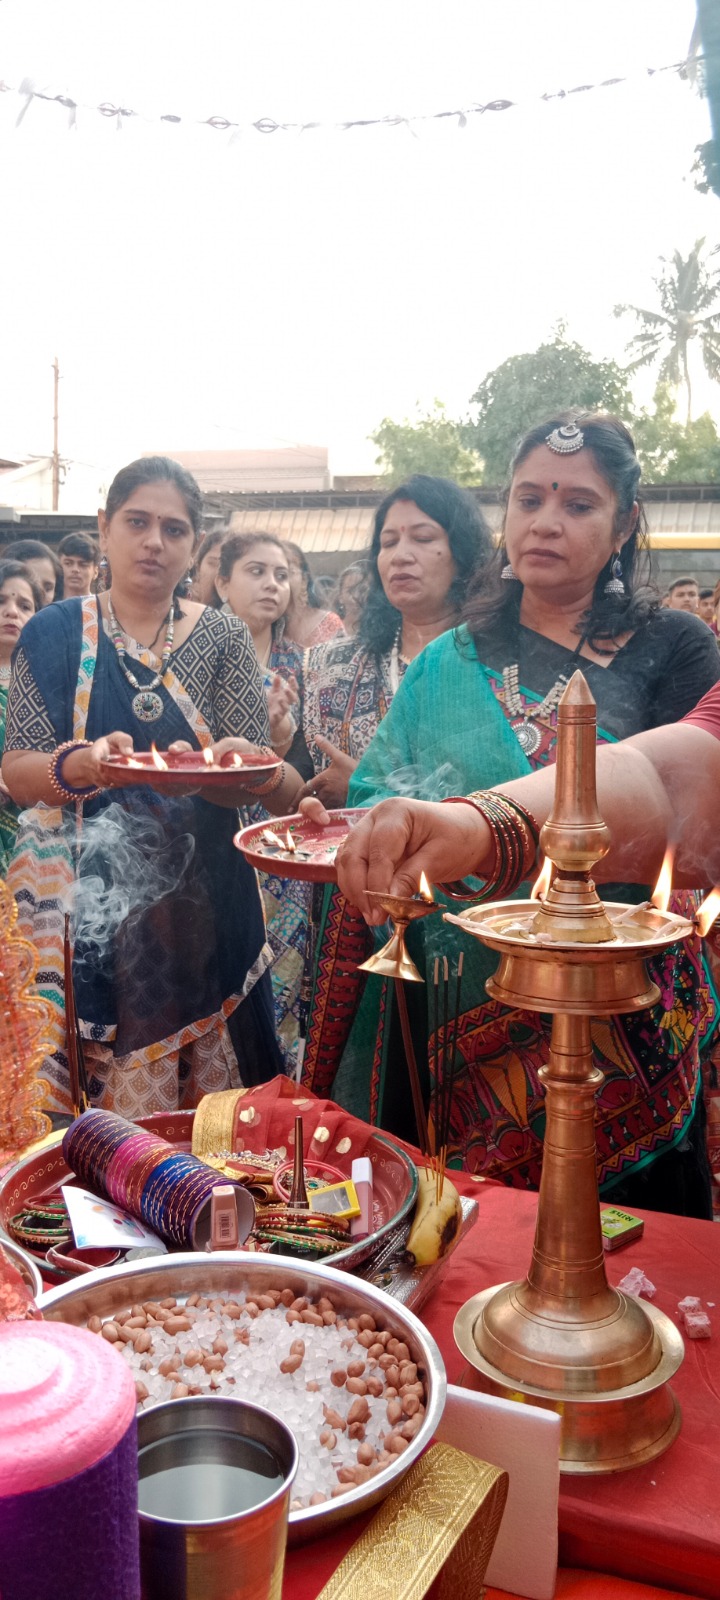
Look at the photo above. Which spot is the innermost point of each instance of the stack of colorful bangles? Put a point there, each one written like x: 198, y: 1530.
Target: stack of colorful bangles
x: 42, y: 1226
x: 516, y: 837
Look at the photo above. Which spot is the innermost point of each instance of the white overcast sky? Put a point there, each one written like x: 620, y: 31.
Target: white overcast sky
x: 215, y: 292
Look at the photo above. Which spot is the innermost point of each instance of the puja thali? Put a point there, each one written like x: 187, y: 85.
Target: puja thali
x: 296, y: 846
x: 170, y: 770
x: 39, y: 1174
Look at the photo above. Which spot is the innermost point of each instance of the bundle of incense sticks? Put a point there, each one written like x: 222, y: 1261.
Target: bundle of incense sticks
x: 445, y: 1028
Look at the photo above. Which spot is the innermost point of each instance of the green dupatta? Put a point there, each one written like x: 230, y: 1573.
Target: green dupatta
x: 444, y: 734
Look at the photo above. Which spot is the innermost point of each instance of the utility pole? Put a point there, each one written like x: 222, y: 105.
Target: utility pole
x: 55, y: 453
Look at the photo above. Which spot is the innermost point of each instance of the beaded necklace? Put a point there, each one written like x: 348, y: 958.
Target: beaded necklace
x: 146, y: 705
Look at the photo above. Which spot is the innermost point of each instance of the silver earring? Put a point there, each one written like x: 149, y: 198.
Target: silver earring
x: 615, y: 583
x: 103, y: 564
x: 507, y: 572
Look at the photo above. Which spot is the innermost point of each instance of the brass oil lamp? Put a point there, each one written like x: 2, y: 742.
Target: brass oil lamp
x: 394, y: 960
x: 563, y: 1338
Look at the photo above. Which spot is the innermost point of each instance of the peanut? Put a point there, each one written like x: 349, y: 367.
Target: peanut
x: 291, y: 1363
x: 338, y: 1377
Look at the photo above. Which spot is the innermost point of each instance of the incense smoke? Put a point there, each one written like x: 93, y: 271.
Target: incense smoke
x: 126, y: 864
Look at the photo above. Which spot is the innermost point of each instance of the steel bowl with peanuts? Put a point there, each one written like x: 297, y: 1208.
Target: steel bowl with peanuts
x: 103, y: 1294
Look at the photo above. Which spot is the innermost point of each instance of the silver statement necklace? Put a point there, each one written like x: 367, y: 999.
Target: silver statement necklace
x: 523, y: 718
x: 147, y: 706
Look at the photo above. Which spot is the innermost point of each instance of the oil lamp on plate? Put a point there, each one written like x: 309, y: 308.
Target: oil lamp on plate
x: 563, y: 1338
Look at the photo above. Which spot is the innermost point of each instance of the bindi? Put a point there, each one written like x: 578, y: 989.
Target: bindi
x: 554, y: 486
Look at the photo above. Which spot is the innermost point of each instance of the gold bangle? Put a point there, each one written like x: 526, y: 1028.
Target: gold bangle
x: 64, y: 791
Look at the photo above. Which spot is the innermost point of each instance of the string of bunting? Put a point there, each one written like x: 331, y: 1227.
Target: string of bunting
x: 462, y: 115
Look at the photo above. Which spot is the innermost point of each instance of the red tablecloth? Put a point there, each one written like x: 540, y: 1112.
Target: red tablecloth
x: 659, y: 1524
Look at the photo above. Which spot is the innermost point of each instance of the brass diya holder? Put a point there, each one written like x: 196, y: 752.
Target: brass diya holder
x: 394, y: 961
x: 563, y: 1338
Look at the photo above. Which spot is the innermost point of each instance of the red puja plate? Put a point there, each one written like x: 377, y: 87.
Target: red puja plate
x: 180, y: 767
x: 39, y: 1174
x: 296, y: 847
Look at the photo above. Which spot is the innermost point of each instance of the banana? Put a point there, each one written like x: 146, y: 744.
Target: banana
x: 436, y: 1222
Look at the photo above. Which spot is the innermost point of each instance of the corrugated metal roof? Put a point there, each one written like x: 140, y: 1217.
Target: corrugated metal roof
x: 317, y: 529
x: 314, y: 529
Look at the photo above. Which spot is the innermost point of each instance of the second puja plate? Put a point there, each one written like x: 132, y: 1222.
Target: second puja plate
x: 296, y: 847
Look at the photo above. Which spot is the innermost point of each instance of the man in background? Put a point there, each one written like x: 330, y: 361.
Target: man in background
x: 78, y: 555
x: 706, y: 608
x: 683, y: 595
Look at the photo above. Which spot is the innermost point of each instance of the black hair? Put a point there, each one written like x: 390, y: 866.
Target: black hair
x: 155, y: 469
x: 706, y: 594
x: 79, y: 544
x: 470, y: 541
x: 493, y: 604
x: 678, y: 583
x: 15, y: 569
x: 313, y: 598
x: 35, y: 550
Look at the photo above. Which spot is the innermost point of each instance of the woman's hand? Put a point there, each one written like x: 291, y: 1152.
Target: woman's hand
x: 399, y: 839
x: 282, y: 695
x: 82, y: 769
x: 331, y: 785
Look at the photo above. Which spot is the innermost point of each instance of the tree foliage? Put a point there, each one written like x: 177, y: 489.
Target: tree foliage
x: 433, y: 443
x: 689, y: 299
x: 673, y: 452
x: 525, y: 389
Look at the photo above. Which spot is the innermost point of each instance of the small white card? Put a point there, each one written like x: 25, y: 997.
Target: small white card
x: 525, y: 1441
x: 98, y: 1224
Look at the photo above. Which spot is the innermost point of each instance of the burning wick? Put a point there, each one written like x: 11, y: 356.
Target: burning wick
x: 660, y: 897
x: 208, y: 758
x: 131, y: 762
x: 236, y: 759
x: 543, y: 881
x: 708, y: 911
x: 158, y: 762
x: 290, y: 844
x: 424, y: 890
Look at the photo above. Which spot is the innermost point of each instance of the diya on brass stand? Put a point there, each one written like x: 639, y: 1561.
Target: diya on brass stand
x: 563, y: 1338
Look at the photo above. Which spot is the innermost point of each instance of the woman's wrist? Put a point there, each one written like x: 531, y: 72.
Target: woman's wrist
x: 71, y: 771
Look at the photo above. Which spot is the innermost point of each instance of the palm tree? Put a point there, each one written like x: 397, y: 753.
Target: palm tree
x: 687, y: 291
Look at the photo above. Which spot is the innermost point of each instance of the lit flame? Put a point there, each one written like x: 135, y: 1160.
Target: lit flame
x: 158, y: 762
x: 708, y: 911
x: 661, y: 893
x: 542, y: 883
x: 424, y: 890
x: 290, y: 843
x: 208, y: 758
x: 236, y: 759
x: 131, y: 762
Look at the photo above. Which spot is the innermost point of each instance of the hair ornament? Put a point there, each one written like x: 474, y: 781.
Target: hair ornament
x: 566, y: 440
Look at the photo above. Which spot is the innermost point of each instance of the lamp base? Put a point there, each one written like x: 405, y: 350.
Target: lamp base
x: 602, y: 1430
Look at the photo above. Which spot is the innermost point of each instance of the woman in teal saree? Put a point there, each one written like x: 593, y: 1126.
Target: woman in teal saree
x: 478, y: 708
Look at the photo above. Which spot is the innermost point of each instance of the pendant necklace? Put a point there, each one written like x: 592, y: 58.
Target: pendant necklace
x: 147, y: 706
x: 523, y: 720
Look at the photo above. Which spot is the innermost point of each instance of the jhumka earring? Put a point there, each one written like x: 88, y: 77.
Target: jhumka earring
x: 103, y: 565
x: 615, y: 583
x: 507, y: 572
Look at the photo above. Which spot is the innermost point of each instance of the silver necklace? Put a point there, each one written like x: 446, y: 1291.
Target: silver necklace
x: 146, y: 705
x: 523, y: 718
x: 5, y: 674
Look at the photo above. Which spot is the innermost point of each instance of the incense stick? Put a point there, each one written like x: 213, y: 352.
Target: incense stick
x: 444, y: 1066
x: 415, y: 1087
x: 73, y: 1039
